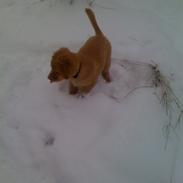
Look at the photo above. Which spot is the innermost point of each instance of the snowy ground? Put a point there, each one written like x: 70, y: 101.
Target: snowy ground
x: 47, y: 136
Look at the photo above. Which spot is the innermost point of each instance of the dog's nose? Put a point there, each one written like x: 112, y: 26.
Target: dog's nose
x: 51, y: 77
x: 54, y: 77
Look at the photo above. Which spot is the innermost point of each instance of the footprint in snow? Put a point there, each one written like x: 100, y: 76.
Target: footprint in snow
x: 49, y: 140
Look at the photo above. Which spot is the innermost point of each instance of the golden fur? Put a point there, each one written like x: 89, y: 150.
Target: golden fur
x: 83, y: 68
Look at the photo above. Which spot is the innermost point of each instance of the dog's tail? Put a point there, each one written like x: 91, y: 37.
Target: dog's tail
x: 93, y: 21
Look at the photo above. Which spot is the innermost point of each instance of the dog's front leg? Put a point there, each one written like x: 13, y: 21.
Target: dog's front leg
x: 72, y: 89
x: 86, y: 89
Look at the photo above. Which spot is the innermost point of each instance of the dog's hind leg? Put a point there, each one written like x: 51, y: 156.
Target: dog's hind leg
x: 106, y: 76
x: 105, y: 72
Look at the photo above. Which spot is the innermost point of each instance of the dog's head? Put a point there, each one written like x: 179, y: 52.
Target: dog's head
x: 63, y: 65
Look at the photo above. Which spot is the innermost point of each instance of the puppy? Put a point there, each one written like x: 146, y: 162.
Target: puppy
x: 83, y: 68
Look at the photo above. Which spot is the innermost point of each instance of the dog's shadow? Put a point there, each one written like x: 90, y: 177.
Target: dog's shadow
x: 64, y: 86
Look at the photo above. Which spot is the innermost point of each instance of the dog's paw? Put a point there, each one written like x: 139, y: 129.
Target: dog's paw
x: 80, y: 95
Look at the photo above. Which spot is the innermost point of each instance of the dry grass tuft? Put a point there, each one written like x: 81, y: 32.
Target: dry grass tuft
x: 169, y: 101
x: 155, y: 79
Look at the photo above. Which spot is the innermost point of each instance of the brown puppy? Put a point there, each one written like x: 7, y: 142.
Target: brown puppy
x: 83, y: 68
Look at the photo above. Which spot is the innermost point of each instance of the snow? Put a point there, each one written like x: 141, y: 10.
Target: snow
x: 46, y: 135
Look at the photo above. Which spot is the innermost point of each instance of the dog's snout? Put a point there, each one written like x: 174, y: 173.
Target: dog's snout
x: 49, y: 76
x: 52, y: 77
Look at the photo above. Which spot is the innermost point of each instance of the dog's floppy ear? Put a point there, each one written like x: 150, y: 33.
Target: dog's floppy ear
x: 65, y: 64
x: 65, y: 67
